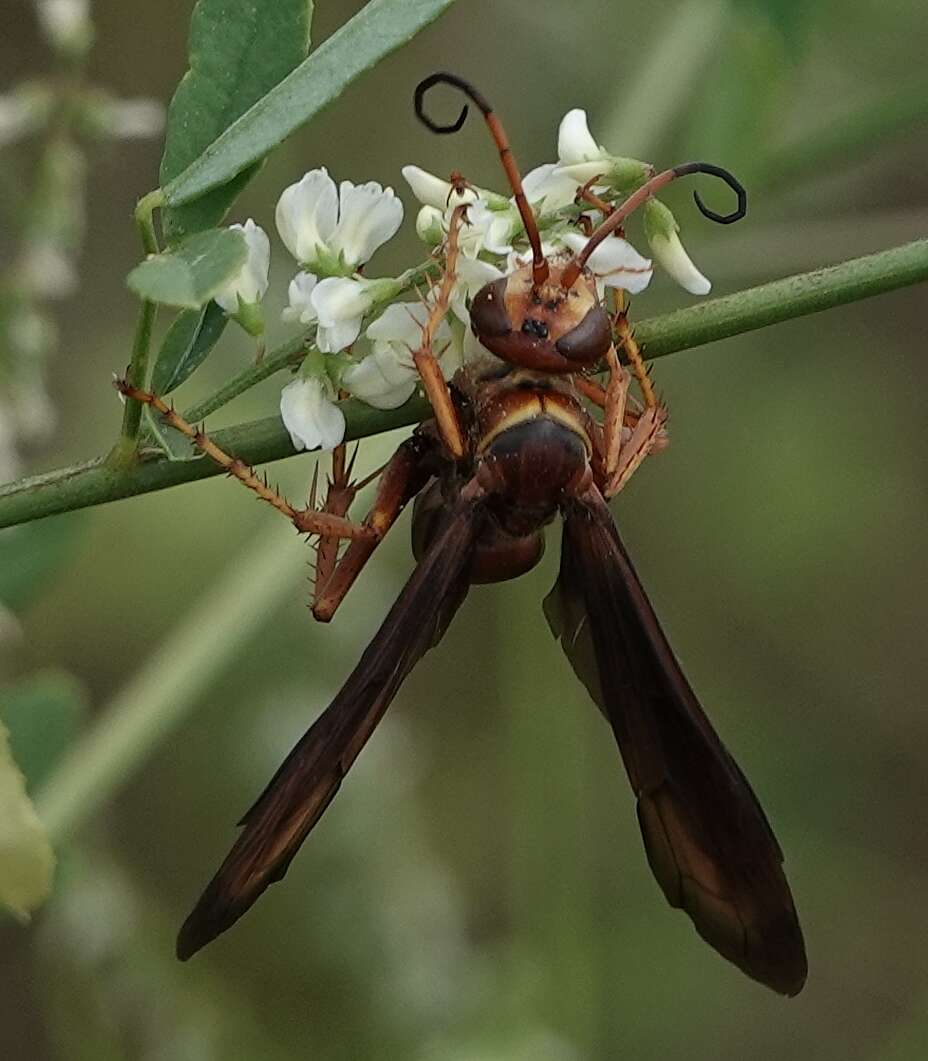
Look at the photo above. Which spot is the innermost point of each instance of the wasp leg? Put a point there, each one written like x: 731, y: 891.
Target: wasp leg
x: 614, y: 412
x: 307, y: 521
x: 627, y: 341
x: 405, y: 474
x: 340, y: 492
x: 433, y: 380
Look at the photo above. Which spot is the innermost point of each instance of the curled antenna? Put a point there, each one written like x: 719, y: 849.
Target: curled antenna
x: 574, y: 267
x: 539, y: 264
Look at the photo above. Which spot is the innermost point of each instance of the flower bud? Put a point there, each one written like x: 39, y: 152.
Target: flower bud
x: 661, y: 230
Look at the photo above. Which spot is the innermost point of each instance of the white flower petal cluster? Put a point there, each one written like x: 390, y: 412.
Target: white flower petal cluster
x: 249, y: 285
x: 309, y: 414
x: 332, y: 232
x: 338, y: 304
x: 387, y: 377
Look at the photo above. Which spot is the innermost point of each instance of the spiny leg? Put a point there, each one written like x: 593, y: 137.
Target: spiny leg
x: 433, y: 379
x: 628, y: 343
x: 405, y: 474
x: 307, y: 521
x: 340, y: 492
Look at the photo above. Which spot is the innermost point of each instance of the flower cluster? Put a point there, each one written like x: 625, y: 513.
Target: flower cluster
x: 333, y: 231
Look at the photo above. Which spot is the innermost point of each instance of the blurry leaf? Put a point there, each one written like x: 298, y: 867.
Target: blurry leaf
x: 43, y: 715
x: 186, y: 345
x: 238, y: 51
x: 191, y: 273
x: 376, y: 31
x: 27, y: 862
x: 30, y: 554
x: 171, y: 442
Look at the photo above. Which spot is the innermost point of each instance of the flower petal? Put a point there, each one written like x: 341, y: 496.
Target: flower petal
x: 250, y: 284
x: 299, y: 293
x: 574, y: 141
x: 548, y: 188
x: 366, y: 381
x: 433, y: 191
x: 672, y: 255
x: 307, y: 213
x: 312, y: 420
x: 369, y: 215
x: 615, y: 262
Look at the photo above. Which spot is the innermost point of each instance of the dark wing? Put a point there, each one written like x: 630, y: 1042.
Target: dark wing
x: 311, y: 774
x: 706, y: 836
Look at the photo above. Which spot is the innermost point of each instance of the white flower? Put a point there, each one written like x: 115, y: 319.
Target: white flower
x: 472, y: 275
x: 433, y: 191
x: 368, y: 216
x: 547, y: 188
x: 299, y: 294
x: 430, y: 225
x: 582, y: 159
x: 66, y: 23
x: 371, y: 380
x: 132, y: 119
x: 341, y: 303
x: 387, y: 376
x: 484, y: 229
x: 313, y: 420
x: 250, y: 283
x: 333, y: 231
x: 307, y: 213
x: 661, y: 229
x: 672, y: 255
x: 614, y: 263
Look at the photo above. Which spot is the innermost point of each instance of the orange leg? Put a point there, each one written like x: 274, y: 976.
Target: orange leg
x: 406, y: 473
x: 306, y: 520
x: 433, y: 380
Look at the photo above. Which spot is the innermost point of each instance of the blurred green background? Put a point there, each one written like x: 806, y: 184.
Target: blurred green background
x: 478, y: 891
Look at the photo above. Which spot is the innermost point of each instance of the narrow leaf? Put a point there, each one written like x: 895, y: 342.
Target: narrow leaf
x: 186, y: 345
x: 193, y: 271
x: 378, y: 29
x: 27, y: 862
x: 239, y: 49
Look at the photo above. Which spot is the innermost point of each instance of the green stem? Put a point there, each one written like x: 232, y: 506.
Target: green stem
x: 97, y: 482
x: 155, y: 699
x: 124, y: 453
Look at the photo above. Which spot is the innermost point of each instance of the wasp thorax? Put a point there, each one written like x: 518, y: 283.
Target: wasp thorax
x: 545, y: 327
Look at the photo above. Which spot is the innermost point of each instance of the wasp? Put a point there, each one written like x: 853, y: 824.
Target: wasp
x: 512, y: 445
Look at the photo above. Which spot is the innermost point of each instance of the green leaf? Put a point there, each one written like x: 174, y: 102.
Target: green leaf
x: 378, y: 29
x: 43, y: 715
x: 173, y: 444
x: 27, y: 862
x: 239, y: 49
x: 186, y: 345
x: 193, y: 271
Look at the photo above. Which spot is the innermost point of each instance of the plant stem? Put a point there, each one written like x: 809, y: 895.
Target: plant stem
x: 124, y: 452
x: 96, y: 482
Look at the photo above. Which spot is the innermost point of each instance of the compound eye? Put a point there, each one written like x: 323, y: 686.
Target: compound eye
x: 590, y: 340
x: 488, y: 314
x: 535, y: 328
